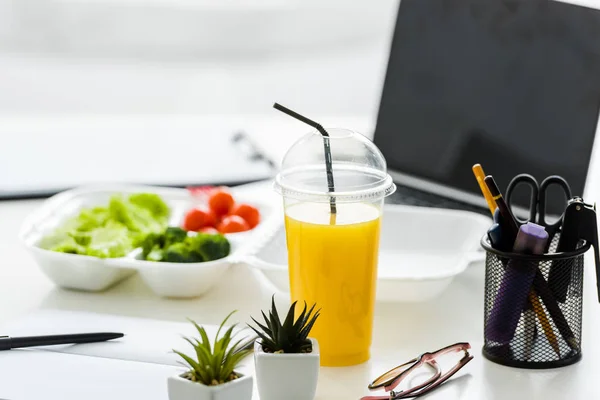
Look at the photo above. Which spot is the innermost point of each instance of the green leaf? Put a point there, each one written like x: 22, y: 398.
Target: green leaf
x: 274, y: 316
x: 306, y: 330
x: 203, y: 335
x: 267, y: 342
x: 223, y: 323
x: 217, y: 362
x: 301, y: 319
x: 234, y: 360
x: 267, y: 321
x: 202, y: 354
x: 276, y: 327
x: 289, y: 319
x: 264, y: 338
x: 264, y: 328
x: 203, y: 376
x: 189, y: 360
x: 223, y: 342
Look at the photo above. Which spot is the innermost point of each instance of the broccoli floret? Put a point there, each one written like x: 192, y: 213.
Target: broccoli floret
x: 174, y: 245
x: 156, y: 254
x: 210, y: 247
x: 151, y: 241
x: 174, y: 235
x: 181, y: 253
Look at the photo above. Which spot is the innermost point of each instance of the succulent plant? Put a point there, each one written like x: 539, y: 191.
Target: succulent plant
x: 291, y: 336
x: 214, y: 365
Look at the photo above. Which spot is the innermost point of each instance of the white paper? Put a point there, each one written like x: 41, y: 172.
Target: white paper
x: 35, y: 375
x: 146, y: 340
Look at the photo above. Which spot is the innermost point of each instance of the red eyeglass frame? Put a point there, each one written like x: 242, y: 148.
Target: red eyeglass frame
x: 432, y: 383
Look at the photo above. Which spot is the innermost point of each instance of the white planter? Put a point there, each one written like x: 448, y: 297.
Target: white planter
x: 184, y: 389
x: 287, y: 376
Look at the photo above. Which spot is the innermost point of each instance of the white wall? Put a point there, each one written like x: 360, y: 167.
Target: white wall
x: 192, y: 56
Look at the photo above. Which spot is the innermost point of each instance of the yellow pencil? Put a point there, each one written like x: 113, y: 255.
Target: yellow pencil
x: 480, y: 176
x: 548, y: 331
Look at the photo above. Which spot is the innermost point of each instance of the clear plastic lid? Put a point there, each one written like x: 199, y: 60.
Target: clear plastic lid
x: 359, y: 169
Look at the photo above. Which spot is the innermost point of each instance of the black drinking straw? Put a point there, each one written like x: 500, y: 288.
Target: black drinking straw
x: 326, y: 147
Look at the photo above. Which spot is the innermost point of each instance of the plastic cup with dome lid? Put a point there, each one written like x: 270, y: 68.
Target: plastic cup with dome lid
x: 332, y: 228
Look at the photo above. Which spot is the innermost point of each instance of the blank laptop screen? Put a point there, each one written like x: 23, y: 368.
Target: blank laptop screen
x: 513, y: 85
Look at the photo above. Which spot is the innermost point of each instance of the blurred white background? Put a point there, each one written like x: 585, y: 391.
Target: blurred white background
x: 107, y: 90
x: 192, y: 56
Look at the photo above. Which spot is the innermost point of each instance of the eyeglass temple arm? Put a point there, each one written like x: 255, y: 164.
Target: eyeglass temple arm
x: 463, y: 361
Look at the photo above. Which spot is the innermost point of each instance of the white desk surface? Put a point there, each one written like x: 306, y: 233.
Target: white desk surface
x: 401, y: 331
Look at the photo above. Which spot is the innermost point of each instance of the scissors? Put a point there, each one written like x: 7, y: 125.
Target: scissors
x: 537, y: 202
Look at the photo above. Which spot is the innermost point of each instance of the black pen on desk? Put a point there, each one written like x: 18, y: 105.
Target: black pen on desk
x: 7, y: 343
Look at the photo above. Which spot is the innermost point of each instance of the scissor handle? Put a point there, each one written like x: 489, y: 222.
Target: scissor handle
x: 533, y: 200
x: 552, y: 180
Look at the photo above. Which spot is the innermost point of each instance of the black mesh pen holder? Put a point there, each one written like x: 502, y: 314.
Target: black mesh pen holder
x: 533, y: 307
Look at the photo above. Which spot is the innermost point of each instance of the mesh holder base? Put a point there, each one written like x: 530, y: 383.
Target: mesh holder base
x: 533, y: 307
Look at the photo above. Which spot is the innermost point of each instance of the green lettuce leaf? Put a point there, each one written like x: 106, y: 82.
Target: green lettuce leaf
x: 111, y: 231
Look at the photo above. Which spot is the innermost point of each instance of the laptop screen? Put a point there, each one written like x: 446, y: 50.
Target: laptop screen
x: 513, y: 85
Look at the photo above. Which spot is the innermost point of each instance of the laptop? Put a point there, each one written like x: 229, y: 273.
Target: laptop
x: 512, y: 85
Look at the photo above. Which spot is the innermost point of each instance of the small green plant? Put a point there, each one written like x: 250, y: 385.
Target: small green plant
x: 289, y: 337
x: 214, y: 365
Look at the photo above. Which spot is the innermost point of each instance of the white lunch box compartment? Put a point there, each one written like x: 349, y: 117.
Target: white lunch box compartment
x: 421, y: 251
x: 82, y: 272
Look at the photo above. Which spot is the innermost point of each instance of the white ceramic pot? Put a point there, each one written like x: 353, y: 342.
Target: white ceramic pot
x: 286, y: 376
x: 184, y: 389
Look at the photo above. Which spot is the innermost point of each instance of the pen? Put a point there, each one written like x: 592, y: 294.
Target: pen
x: 541, y: 287
x: 480, y: 176
x: 510, y: 228
x: 529, y: 330
x: 548, y: 331
x: 7, y: 343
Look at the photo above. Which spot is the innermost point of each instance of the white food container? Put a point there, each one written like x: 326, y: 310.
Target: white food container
x: 421, y: 251
x: 81, y: 272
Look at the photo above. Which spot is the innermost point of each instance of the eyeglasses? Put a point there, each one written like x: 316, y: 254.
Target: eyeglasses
x: 391, y: 379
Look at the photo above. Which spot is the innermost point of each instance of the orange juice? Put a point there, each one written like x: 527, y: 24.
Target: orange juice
x: 333, y: 262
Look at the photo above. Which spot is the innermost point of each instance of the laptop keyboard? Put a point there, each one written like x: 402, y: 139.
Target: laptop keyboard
x: 413, y: 197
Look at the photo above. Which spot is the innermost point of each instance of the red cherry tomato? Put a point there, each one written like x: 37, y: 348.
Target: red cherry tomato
x: 233, y: 224
x: 220, y: 202
x: 209, y: 229
x: 250, y: 214
x: 200, y: 191
x: 198, y: 218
